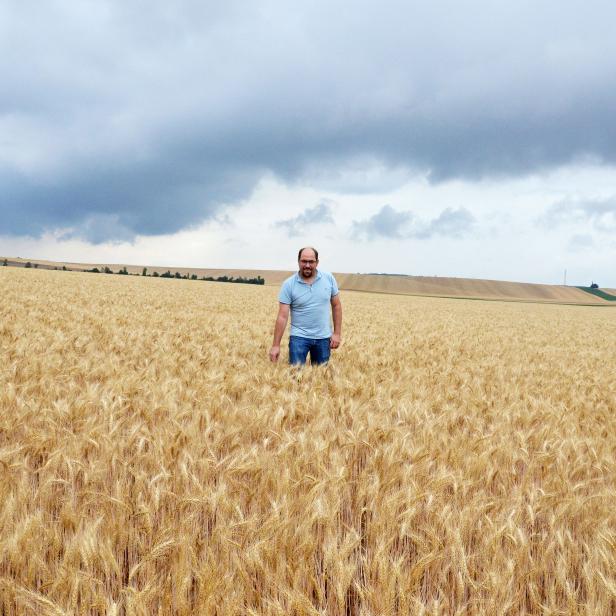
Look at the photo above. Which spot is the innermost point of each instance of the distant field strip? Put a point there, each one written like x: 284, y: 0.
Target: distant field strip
x: 455, y: 457
x: 599, y: 293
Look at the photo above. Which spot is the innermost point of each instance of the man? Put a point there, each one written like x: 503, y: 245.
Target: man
x: 308, y: 295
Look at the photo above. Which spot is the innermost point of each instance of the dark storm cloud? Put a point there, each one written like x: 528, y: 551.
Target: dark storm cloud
x: 115, y: 203
x: 390, y: 223
x: 601, y: 214
x: 143, y: 118
x: 319, y: 214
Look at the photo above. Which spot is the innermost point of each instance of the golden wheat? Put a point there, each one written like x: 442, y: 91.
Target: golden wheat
x: 455, y: 457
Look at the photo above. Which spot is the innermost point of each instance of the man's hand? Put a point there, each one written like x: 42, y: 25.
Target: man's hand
x: 274, y: 353
x: 281, y: 323
x: 334, y: 341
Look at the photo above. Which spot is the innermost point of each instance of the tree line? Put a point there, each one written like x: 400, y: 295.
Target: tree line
x: 124, y: 272
x: 168, y: 274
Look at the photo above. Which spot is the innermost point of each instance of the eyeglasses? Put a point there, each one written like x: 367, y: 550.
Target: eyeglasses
x: 306, y: 262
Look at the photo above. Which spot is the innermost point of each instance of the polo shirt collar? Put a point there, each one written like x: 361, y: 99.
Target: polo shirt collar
x: 300, y: 279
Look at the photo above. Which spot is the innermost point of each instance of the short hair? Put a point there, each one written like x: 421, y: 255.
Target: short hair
x: 316, y: 252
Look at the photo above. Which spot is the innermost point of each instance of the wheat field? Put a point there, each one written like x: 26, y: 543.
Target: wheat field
x: 455, y: 457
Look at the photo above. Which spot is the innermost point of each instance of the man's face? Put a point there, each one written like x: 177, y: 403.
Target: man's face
x: 307, y: 263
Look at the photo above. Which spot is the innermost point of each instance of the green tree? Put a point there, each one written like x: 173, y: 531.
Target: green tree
x: 28, y: 264
x: 5, y: 263
x: 145, y: 271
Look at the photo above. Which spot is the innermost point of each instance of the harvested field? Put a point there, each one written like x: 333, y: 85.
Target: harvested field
x: 466, y: 287
x: 455, y: 457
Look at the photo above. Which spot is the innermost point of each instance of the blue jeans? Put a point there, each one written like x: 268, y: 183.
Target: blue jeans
x: 300, y: 347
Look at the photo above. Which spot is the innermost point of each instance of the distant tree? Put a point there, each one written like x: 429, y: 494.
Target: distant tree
x: 28, y: 264
x: 178, y: 275
x: 123, y: 271
x: 239, y: 279
x: 193, y: 277
x: 94, y: 270
x: 64, y: 268
x: 145, y: 271
x: 155, y: 274
x: 167, y: 274
x: 5, y: 263
x: 36, y: 266
x: 107, y: 270
x: 594, y: 285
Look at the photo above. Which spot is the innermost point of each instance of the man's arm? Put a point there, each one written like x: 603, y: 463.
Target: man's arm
x: 334, y: 342
x: 279, y: 327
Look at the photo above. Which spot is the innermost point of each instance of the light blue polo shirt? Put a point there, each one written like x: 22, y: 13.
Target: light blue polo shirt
x: 310, y: 304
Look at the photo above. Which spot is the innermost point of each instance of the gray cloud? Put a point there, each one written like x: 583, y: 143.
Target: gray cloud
x: 387, y: 222
x: 137, y: 118
x: 450, y: 223
x: 580, y: 242
x: 319, y: 214
x: 390, y: 223
x: 600, y: 214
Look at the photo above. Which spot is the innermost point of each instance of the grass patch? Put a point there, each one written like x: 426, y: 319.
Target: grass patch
x: 599, y: 293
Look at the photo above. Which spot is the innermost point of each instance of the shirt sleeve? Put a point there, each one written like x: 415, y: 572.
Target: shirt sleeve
x: 335, y: 290
x: 284, y: 297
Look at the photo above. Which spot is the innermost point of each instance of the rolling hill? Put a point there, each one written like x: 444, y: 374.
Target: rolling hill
x: 373, y: 283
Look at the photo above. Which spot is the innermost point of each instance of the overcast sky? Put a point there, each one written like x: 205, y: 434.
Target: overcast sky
x: 470, y: 139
